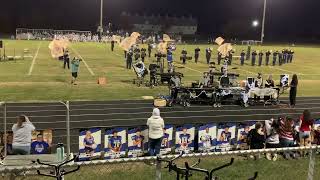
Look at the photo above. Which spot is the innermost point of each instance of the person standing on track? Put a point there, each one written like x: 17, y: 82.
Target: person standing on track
x: 293, y: 90
x: 156, y: 125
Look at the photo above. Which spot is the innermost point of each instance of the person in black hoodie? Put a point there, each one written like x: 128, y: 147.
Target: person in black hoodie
x: 256, y: 137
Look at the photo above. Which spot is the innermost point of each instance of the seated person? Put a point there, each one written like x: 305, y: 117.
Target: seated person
x: 259, y: 81
x: 205, y: 80
x: 269, y: 82
x: 39, y: 146
x: 224, y: 80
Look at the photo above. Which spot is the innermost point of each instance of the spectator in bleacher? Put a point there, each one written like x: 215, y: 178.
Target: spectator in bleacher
x: 306, y: 124
x: 286, y: 135
x: 9, y: 144
x: 272, y: 141
x: 22, y: 135
x: 256, y: 137
x: 293, y: 90
x: 39, y: 146
x: 156, y: 125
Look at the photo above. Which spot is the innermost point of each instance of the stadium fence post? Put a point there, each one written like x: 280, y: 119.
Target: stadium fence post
x: 68, y: 129
x: 3, y: 104
x: 311, y: 164
x: 158, y: 170
x: 67, y: 105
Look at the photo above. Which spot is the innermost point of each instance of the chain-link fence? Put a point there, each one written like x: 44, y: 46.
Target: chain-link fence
x: 244, y: 166
x: 68, y: 118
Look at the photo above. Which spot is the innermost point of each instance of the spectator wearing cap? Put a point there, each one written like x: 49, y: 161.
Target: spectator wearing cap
x: 155, y: 124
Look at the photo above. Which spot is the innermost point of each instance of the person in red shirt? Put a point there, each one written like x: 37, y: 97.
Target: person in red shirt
x: 306, y: 124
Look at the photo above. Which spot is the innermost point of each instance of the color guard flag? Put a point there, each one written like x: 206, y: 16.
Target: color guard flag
x: 129, y: 41
x: 224, y: 49
x: 162, y: 47
x: 219, y: 41
x: 166, y: 38
x: 58, y: 46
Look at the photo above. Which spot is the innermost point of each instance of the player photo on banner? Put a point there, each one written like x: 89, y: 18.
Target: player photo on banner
x: 226, y: 136
x: 137, y: 142
x: 90, y: 144
x: 185, y: 139
x: 115, y: 143
x: 167, y: 141
x: 41, y: 142
x: 242, y: 134
x: 207, y: 137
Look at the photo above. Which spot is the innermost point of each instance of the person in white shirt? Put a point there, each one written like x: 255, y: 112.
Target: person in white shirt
x: 155, y: 124
x: 22, y: 135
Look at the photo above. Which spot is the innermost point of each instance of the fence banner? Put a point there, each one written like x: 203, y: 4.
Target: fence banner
x: 167, y: 140
x: 90, y: 144
x: 242, y: 134
x: 185, y: 138
x: 115, y: 143
x: 226, y: 136
x: 207, y: 137
x: 137, y: 142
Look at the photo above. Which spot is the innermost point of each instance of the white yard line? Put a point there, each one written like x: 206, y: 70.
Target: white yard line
x: 286, y: 70
x: 250, y: 72
x: 85, y: 63
x: 34, y: 59
x: 193, y: 70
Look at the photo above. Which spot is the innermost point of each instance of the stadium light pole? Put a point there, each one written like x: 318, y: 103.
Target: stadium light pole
x: 100, y: 28
x: 263, y: 20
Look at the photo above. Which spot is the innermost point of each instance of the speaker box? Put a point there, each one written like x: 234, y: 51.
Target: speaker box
x: 0, y: 44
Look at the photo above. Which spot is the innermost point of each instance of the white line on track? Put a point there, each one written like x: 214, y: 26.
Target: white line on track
x: 34, y: 59
x: 85, y: 63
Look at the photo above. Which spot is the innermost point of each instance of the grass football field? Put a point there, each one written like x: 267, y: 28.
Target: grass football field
x: 42, y: 78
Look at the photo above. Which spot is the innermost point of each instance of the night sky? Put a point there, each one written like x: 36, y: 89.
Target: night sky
x: 286, y: 19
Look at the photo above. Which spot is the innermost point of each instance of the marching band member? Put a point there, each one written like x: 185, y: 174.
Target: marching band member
x: 242, y: 54
x: 196, y: 54
x: 208, y: 55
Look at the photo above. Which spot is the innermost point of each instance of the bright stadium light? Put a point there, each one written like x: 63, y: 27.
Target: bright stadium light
x: 255, y: 23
